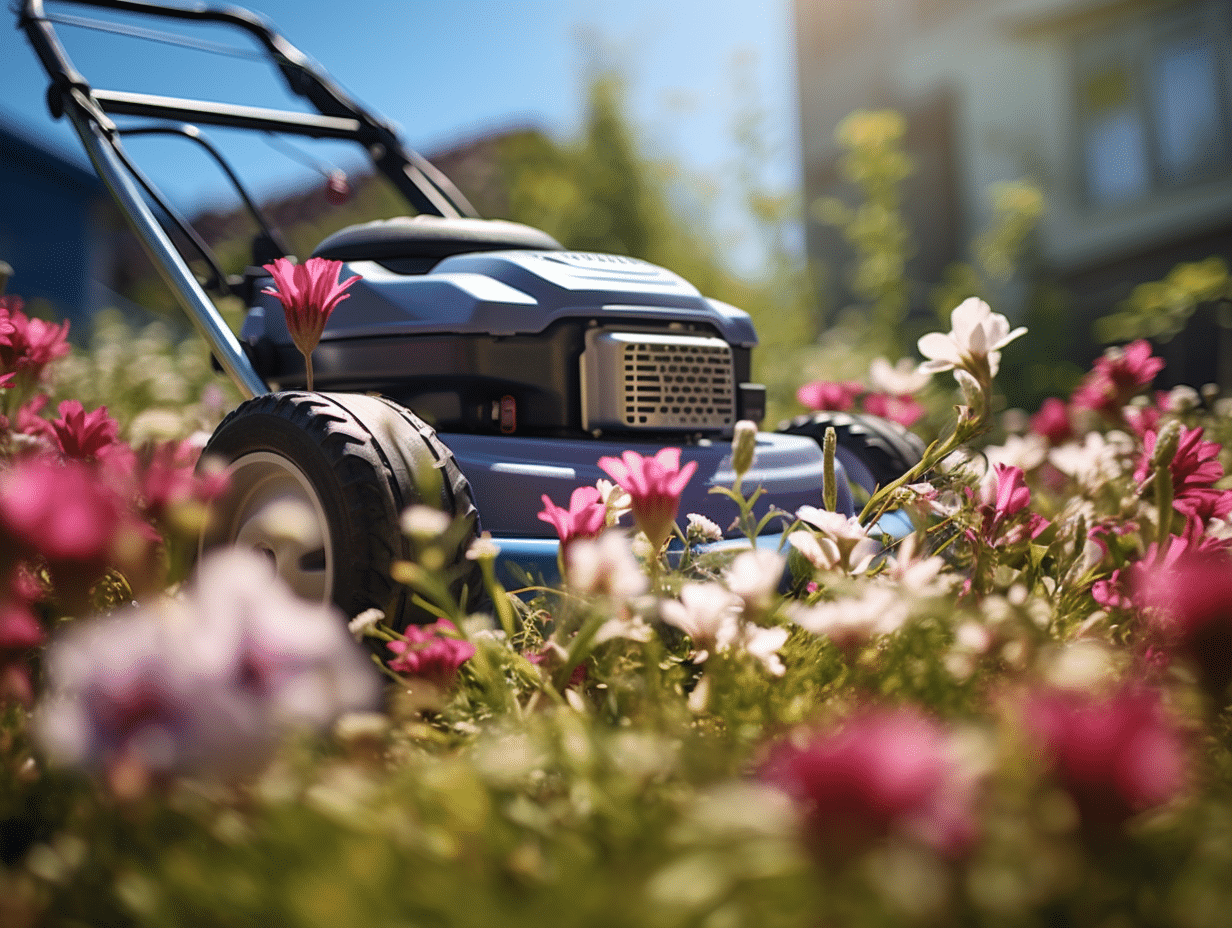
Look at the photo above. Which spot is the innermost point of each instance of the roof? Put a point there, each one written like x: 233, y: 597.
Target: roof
x: 24, y: 149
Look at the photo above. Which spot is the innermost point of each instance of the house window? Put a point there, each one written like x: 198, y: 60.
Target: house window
x: 1153, y: 103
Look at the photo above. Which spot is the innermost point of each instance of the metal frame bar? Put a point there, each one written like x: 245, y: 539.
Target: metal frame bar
x: 102, y: 150
x: 122, y: 103
x: 426, y: 188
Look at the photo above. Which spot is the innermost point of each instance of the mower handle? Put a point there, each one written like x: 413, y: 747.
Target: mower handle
x: 89, y: 111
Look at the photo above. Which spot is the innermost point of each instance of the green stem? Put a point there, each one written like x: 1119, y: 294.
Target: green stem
x: 829, y: 484
x: 964, y: 431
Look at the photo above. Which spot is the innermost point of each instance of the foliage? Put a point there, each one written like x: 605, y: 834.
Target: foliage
x: 1017, y: 713
x: 876, y: 162
x: 601, y: 192
x: 1161, y: 309
x: 155, y: 381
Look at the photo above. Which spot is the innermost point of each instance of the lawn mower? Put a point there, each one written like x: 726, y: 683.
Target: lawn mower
x: 478, y: 350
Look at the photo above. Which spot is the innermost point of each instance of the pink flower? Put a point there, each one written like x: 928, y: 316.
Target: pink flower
x: 57, y: 511
x: 308, y: 293
x: 1009, y: 493
x: 1052, y: 422
x: 8, y: 306
x: 164, y: 476
x: 1115, y: 755
x: 65, y: 515
x: 29, y: 421
x: 1116, y: 378
x: 1192, y: 595
x: 83, y: 435
x: 887, y: 771
x: 585, y: 517
x: 1194, y: 468
x: 901, y: 409
x: 1142, y: 419
x: 31, y: 344
x: 1202, y: 505
x: 1110, y: 592
x: 654, y: 486
x: 550, y: 657
x: 19, y: 632
x: 430, y: 653
x: 337, y: 189
x: 1002, y: 498
x: 829, y: 395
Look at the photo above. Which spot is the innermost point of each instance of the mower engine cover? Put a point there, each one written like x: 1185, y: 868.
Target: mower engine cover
x: 533, y: 362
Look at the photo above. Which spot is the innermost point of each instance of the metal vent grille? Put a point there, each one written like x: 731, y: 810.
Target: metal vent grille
x: 661, y: 381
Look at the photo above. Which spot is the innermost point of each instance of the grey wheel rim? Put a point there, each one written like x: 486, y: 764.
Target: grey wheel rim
x: 272, y: 507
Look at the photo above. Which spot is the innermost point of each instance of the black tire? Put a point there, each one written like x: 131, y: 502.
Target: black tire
x: 874, y: 451
x: 352, y: 460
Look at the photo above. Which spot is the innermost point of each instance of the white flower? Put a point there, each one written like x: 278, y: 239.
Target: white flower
x: 1181, y: 399
x: 856, y: 549
x: 366, y: 620
x: 708, y: 613
x: 1024, y: 452
x: 424, y: 523
x: 1094, y: 462
x: 974, y: 342
x: 924, y: 498
x: 205, y: 683
x: 615, y: 498
x: 1078, y: 665
x: 819, y: 551
x: 851, y: 622
x: 901, y: 379
x: 1219, y: 528
x: 921, y: 576
x: 624, y: 626
x: 754, y: 576
x: 702, y: 529
x: 483, y: 548
x: 833, y: 524
x: 763, y: 644
x: 604, y: 566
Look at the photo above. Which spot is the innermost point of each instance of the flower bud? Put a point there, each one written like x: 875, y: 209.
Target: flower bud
x: 1166, y: 444
x: 424, y: 523
x: 364, y: 622
x: 829, y: 485
x: 1183, y: 398
x: 744, y: 447
x: 337, y: 188
x: 483, y: 549
x: 971, y: 390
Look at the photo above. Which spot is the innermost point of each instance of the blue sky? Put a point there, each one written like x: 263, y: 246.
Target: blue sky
x: 448, y: 70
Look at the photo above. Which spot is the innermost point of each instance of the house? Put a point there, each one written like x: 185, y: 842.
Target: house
x: 58, y: 228
x: 1120, y: 110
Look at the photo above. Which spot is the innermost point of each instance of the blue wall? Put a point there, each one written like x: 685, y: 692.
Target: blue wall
x: 50, y: 215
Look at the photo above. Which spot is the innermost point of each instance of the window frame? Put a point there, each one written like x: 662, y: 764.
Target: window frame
x: 1138, y: 44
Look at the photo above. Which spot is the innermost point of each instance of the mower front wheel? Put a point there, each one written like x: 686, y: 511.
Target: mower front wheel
x: 318, y: 483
